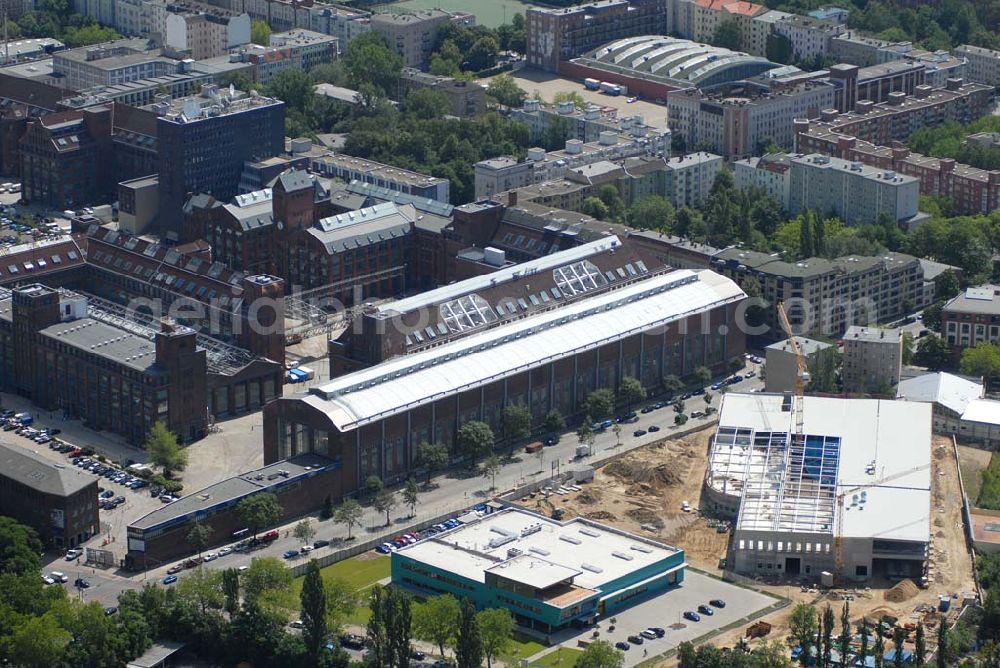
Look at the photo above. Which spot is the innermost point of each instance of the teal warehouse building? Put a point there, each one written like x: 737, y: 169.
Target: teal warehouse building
x: 550, y: 575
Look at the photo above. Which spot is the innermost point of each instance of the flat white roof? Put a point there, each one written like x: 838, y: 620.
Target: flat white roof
x: 951, y: 391
x: 870, y: 446
x: 408, y: 381
x: 548, y: 552
x: 504, y: 275
x: 986, y: 411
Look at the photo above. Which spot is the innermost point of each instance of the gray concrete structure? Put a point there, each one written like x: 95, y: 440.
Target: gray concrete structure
x: 872, y: 359
x: 782, y: 363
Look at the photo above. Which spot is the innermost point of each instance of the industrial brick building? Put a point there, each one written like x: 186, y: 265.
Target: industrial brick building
x: 563, y: 328
x: 858, y: 480
x: 57, y: 353
x: 972, y: 317
x: 58, y: 502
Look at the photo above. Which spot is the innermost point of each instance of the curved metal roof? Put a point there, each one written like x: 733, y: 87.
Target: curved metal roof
x: 679, y: 59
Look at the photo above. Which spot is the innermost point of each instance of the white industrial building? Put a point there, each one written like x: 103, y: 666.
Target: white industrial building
x: 873, y: 454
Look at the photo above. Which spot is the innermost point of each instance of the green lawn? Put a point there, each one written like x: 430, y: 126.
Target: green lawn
x: 564, y: 657
x: 525, y: 646
x: 361, y: 573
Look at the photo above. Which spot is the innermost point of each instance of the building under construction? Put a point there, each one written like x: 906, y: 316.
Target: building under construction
x: 849, y: 497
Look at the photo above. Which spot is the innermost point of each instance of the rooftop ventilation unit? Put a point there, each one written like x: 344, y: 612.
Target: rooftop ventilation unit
x: 570, y: 539
x: 592, y: 568
x: 622, y: 555
x: 588, y: 532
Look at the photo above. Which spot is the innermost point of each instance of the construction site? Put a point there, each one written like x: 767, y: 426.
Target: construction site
x: 663, y: 491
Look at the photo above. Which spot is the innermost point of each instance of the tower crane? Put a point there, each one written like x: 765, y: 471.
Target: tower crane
x: 801, y: 375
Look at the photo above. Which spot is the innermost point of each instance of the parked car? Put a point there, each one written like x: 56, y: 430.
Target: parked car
x: 622, y: 645
x: 692, y: 616
x: 717, y: 602
x: 320, y: 543
x: 705, y: 610
x: 59, y: 576
x: 660, y: 632
x: 653, y: 428
x: 110, y: 610
x: 73, y: 553
x: 81, y: 583
x: 290, y: 554
x: 635, y: 639
x: 170, y: 579
x: 639, y: 432
x: 173, y: 570
x: 648, y: 634
x: 223, y: 551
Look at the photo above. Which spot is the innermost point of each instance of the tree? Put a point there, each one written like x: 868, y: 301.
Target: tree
x: 426, y: 103
x: 164, y: 450
x: 727, y: 35
x: 600, y: 654
x: 600, y: 403
x: 827, y: 637
x: 505, y: 90
x: 803, y: 627
x: 266, y: 575
x: 313, y: 614
x: 388, y: 628
x: 259, y: 511
x: 651, y: 213
x: 349, y: 514
x: 202, y: 588
x: 37, y: 642
x: 496, y: 629
x: 260, y: 33
x: 482, y: 55
x: 981, y: 360
x: 19, y: 548
x: 436, y: 620
x: 920, y: 644
x: 702, y: 375
x: 468, y: 644
x: 431, y: 456
x: 933, y: 353
x: 341, y: 601
x: 672, y: 385
x: 898, y: 636
x: 932, y: 316
x: 369, y: 59
x: 292, y: 86
x: 585, y: 432
x: 879, y: 649
x: 631, y: 391
x: 474, y: 440
x: 410, y: 494
x: 844, y: 640
x: 304, y: 531
x: 491, y: 466
x: 617, y: 431
x: 554, y: 421
x: 863, y: 647
x: 384, y: 502
x: 326, y: 512
x: 595, y: 208
x: 231, y: 590
x: 197, y: 537
x: 946, y: 286
x: 908, y: 351
x: 373, y: 485
x: 570, y: 96
x: 943, y: 655
x: 515, y: 420
x: 611, y: 196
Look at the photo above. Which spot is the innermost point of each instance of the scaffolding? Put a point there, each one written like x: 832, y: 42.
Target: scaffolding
x: 321, y: 309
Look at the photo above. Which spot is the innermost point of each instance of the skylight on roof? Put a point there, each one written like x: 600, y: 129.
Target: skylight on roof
x: 466, y: 313
x: 578, y: 278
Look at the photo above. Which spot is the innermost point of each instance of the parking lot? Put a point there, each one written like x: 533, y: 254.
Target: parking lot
x: 667, y: 610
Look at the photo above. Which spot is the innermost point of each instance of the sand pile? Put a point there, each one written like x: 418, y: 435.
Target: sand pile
x: 903, y: 591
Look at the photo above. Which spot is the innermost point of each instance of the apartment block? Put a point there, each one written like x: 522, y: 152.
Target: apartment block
x: 583, y: 124
x: 734, y: 123
x: 852, y: 191
x: 825, y: 297
x: 467, y: 98
x: 856, y: 48
x: 872, y: 358
x: 983, y: 65
x: 769, y: 172
x: 558, y: 34
x: 972, y: 190
x: 411, y: 35
x: 972, y: 317
x: 294, y: 50
x: 783, y: 364
x: 809, y: 36
x: 110, y: 63
x: 205, y: 34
